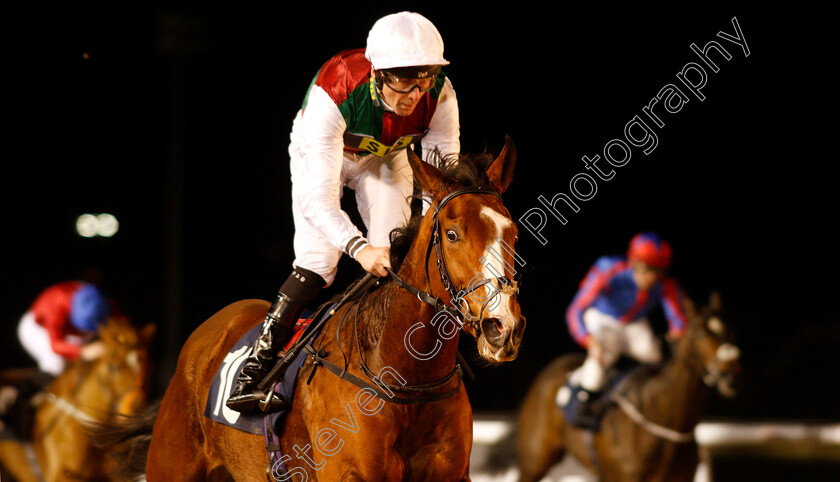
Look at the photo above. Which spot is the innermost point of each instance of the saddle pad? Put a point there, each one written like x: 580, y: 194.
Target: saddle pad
x: 225, y: 380
x: 618, y: 379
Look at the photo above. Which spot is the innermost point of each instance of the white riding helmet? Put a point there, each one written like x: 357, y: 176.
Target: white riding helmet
x: 404, y: 39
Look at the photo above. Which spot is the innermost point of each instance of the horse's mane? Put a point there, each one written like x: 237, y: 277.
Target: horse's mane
x: 461, y: 171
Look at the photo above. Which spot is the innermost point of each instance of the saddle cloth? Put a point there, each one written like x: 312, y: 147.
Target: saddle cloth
x: 225, y: 380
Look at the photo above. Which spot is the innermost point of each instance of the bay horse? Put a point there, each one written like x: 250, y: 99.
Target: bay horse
x: 648, y: 434
x: 87, y: 393
x: 401, y: 339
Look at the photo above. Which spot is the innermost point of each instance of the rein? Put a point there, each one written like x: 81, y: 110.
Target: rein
x: 67, y: 406
x: 639, y: 418
x: 424, y: 296
x: 421, y: 393
x: 653, y: 428
x: 61, y: 403
x: 418, y: 388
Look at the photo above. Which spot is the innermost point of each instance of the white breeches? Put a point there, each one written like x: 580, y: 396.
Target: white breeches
x: 635, y: 339
x: 36, y: 342
x: 383, y: 186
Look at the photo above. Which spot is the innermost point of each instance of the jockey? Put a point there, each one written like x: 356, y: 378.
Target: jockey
x: 608, y: 316
x: 61, y: 325
x: 361, y: 112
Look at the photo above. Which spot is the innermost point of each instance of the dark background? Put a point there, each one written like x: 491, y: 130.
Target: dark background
x: 177, y: 120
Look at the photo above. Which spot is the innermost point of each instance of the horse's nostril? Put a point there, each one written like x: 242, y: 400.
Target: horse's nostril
x: 493, y: 329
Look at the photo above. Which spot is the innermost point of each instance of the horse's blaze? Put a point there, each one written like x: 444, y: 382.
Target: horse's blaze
x: 728, y: 352
x: 501, y: 325
x: 133, y: 360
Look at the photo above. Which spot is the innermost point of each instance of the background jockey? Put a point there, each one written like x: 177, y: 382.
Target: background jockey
x: 608, y: 316
x: 61, y: 325
x: 362, y: 110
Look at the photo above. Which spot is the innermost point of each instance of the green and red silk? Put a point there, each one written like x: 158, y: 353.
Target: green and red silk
x: 370, y: 127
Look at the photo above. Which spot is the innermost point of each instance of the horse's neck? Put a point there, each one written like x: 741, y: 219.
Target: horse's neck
x: 79, y: 384
x: 401, y: 313
x: 682, y: 388
x: 71, y: 379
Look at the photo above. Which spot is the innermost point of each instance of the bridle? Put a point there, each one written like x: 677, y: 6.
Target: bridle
x: 709, y: 371
x: 426, y: 392
x: 456, y: 295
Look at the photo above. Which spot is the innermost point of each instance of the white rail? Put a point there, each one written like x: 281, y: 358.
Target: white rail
x: 792, y: 440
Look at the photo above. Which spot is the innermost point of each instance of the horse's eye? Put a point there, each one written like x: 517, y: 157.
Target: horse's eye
x: 452, y: 236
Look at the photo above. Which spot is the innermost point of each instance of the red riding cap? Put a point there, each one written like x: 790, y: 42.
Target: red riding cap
x: 650, y: 249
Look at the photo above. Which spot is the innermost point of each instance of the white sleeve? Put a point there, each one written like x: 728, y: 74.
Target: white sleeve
x: 444, y: 128
x: 319, y: 135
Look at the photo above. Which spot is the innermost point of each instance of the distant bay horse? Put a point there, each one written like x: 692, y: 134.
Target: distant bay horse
x: 415, y: 424
x: 647, y: 436
x: 86, y: 394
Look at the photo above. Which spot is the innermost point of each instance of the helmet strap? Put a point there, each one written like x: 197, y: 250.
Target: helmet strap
x: 376, y: 88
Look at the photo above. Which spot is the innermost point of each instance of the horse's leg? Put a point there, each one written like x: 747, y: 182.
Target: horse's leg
x: 71, y: 447
x: 436, y: 463
x: 187, y: 446
x: 539, y: 441
x: 50, y: 464
x: 364, y: 455
x: 447, y: 456
x: 675, y: 462
x: 49, y: 421
x: 14, y: 459
x: 176, y: 450
x: 237, y: 452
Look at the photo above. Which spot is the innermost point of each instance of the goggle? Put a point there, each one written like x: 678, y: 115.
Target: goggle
x: 406, y: 85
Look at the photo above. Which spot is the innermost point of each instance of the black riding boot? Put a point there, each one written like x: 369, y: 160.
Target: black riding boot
x: 583, y: 408
x: 302, y: 286
x: 274, y: 332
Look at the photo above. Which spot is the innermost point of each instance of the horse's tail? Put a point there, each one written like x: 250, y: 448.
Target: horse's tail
x: 127, y: 438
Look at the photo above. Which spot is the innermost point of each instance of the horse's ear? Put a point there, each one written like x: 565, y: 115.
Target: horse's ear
x: 500, y: 171
x: 147, y: 334
x: 715, y: 301
x: 427, y: 175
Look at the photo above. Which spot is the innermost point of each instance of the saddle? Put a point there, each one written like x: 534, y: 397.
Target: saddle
x: 225, y: 379
x: 585, y: 409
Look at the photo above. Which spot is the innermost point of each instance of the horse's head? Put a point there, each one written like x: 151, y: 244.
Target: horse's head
x: 709, y: 347
x: 123, y: 369
x: 471, y: 248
